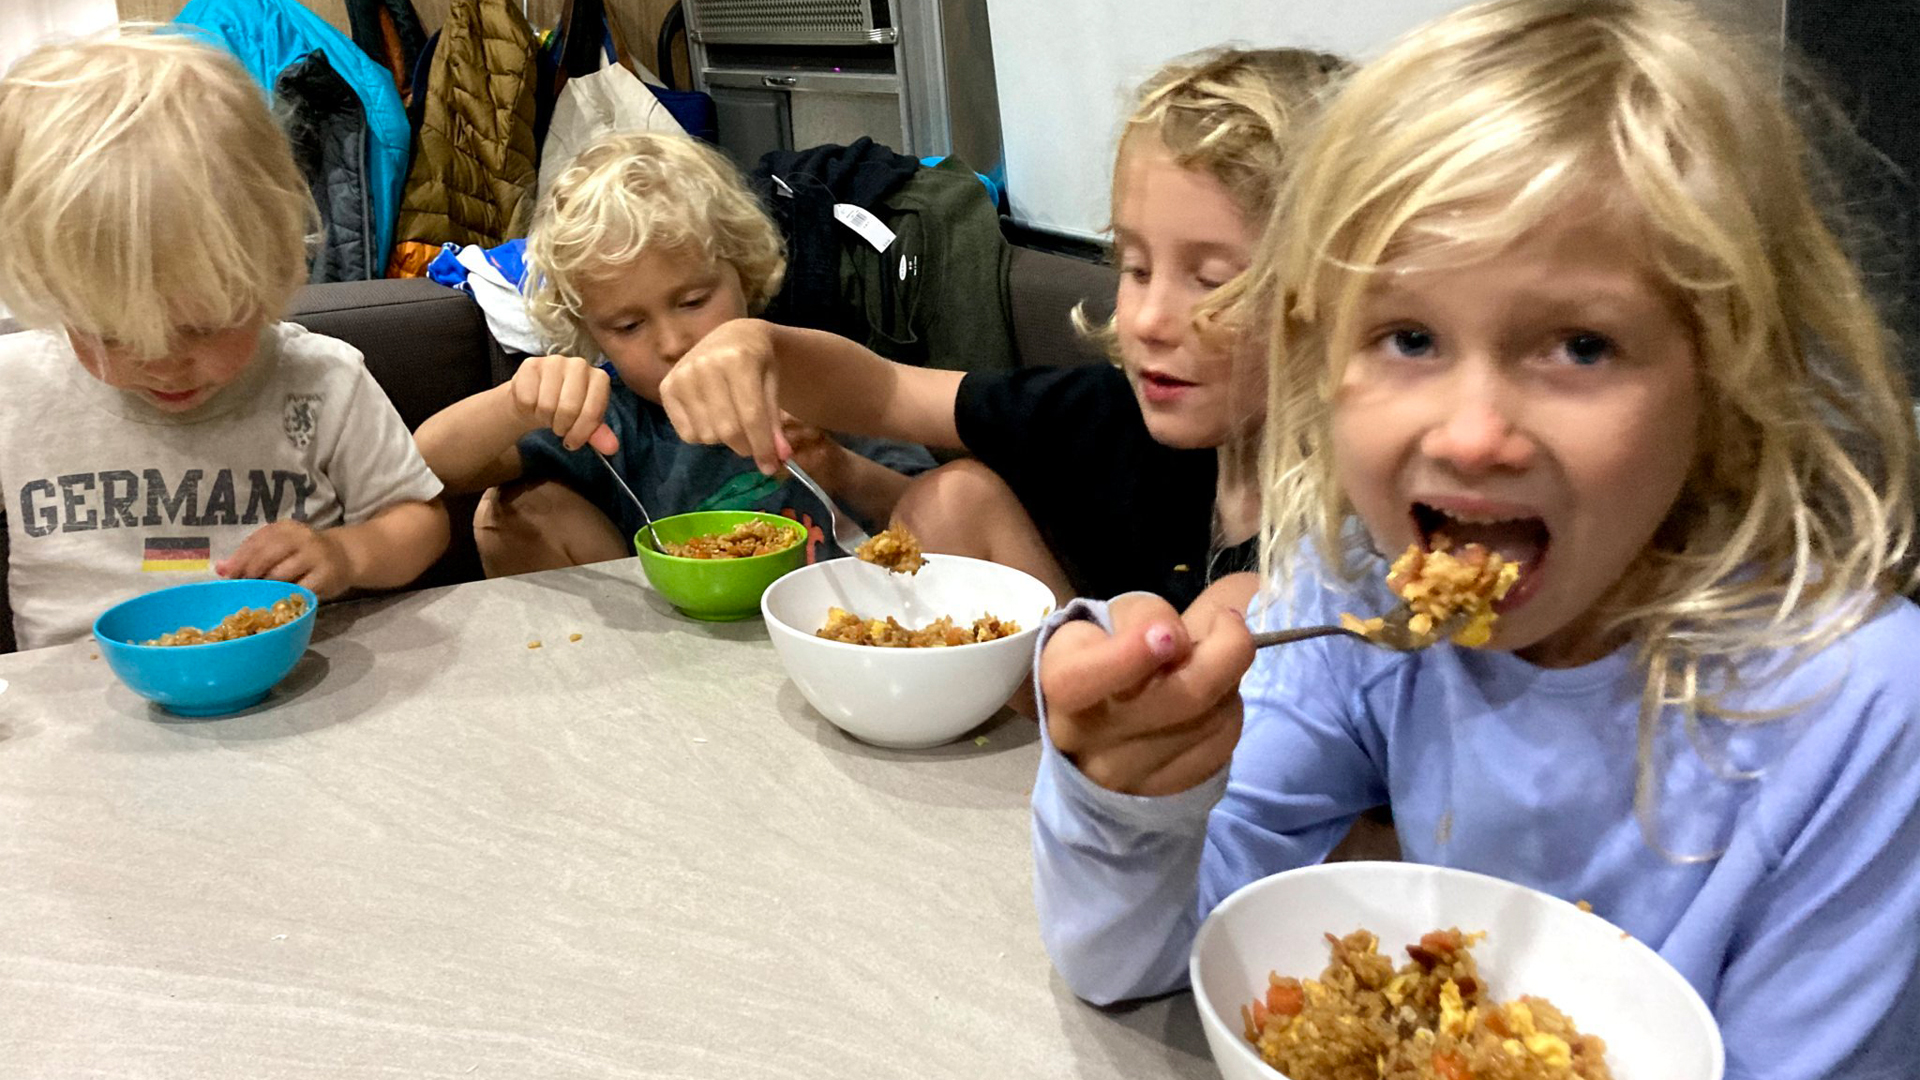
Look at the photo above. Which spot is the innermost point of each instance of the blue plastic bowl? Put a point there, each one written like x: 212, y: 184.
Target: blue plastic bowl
x: 203, y: 680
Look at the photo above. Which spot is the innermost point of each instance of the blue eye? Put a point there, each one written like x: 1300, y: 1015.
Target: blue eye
x: 1409, y: 342
x: 1586, y: 350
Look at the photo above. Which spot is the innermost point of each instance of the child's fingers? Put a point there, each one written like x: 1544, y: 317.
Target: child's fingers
x: 604, y: 440
x: 694, y: 418
x: 526, y: 383
x: 1083, y: 666
x: 782, y: 446
x: 553, y: 380
x: 321, y: 580
x: 1191, y: 766
x: 1162, y: 762
x: 259, y: 551
x: 758, y: 425
x: 1225, y: 652
x: 1234, y: 591
x: 1179, y: 729
x: 1188, y: 693
x: 595, y: 389
x: 292, y: 568
x: 567, y: 404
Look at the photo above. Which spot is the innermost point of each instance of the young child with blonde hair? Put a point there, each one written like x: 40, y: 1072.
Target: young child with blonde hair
x: 643, y: 245
x: 161, y: 425
x: 1096, y: 480
x: 1550, y: 277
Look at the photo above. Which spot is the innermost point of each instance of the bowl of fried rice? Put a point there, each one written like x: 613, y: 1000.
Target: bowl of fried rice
x: 714, y: 564
x: 210, y: 647
x: 1398, y: 971
x: 906, y: 659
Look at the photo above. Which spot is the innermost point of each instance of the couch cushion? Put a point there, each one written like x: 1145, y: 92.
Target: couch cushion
x: 1045, y: 287
x: 428, y: 347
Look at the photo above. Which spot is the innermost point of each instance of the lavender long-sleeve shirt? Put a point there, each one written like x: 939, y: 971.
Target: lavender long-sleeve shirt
x: 1802, y: 933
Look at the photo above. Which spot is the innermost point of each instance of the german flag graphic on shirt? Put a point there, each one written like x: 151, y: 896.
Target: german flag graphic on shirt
x: 176, y: 553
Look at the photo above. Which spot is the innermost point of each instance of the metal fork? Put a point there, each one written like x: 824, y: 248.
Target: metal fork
x: 642, y: 507
x: 847, y: 533
x: 1395, y: 635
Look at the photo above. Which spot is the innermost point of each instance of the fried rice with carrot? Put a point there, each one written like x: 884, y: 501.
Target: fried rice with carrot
x: 1431, y: 1019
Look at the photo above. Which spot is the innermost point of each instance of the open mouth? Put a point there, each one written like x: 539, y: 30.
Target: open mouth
x: 1522, y: 540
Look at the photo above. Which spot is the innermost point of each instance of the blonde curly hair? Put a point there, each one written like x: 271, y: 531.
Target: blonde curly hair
x: 628, y: 194
x: 144, y: 186
x: 1228, y: 113
x: 1798, y: 517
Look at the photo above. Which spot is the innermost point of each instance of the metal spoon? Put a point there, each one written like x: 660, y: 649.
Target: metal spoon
x: 1395, y: 635
x: 847, y: 533
x: 644, y: 516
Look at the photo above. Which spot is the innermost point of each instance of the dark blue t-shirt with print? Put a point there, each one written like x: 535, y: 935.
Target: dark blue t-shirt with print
x: 675, y: 477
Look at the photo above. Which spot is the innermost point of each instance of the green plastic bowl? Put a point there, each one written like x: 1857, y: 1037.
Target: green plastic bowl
x: 718, y: 590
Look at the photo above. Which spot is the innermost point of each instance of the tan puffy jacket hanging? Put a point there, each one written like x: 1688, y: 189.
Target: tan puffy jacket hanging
x: 473, y: 172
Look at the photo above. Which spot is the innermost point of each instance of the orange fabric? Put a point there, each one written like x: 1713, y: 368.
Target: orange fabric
x: 394, y: 55
x: 411, y: 259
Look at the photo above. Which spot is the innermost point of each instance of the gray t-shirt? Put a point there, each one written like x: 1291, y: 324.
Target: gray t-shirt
x: 107, y: 497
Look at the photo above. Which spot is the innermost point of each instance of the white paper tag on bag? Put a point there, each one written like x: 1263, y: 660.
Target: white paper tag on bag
x: 872, y: 228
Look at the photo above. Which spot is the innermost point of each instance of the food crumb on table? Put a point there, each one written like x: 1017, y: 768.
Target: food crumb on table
x: 980, y: 740
x: 533, y: 644
x: 573, y: 637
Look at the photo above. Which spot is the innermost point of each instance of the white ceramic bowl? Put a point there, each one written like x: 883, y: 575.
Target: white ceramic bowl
x: 907, y: 698
x: 1655, y: 1025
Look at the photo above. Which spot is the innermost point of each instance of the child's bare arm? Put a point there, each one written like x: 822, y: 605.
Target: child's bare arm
x: 731, y: 387
x: 386, y: 551
x: 472, y: 444
x: 394, y: 546
x: 861, y: 485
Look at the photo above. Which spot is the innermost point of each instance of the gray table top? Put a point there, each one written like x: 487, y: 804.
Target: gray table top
x: 436, y: 852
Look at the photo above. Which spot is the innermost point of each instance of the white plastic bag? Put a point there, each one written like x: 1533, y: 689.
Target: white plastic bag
x: 610, y: 100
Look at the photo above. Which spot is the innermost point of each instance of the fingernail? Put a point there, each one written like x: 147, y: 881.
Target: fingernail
x: 1160, y: 642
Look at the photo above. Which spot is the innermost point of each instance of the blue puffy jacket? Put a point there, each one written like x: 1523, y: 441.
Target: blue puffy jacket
x: 268, y: 35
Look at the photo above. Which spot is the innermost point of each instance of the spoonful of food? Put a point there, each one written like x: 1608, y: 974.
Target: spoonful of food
x: 1444, y: 595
